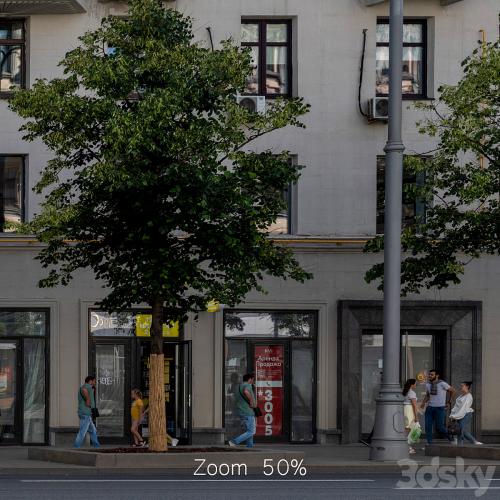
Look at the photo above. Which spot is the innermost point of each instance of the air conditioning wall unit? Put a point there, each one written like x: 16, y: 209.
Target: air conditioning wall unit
x: 378, y: 108
x: 255, y: 103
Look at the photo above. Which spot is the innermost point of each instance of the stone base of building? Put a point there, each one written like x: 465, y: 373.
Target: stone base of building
x: 328, y: 436
x: 62, y: 436
x: 208, y: 436
x: 490, y: 436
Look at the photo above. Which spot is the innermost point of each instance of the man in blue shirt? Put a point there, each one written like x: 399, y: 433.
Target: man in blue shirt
x: 244, y: 402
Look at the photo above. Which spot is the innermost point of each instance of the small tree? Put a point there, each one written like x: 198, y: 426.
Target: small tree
x: 462, y: 180
x: 152, y: 185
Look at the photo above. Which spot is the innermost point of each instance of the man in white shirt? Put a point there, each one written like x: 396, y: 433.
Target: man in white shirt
x: 437, y: 392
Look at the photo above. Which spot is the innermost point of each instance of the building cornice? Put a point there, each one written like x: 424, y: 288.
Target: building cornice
x: 369, y: 3
x: 29, y: 7
x: 303, y: 244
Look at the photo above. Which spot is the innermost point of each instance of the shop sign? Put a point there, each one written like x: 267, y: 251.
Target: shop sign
x: 143, y: 325
x: 103, y: 324
x: 269, y: 361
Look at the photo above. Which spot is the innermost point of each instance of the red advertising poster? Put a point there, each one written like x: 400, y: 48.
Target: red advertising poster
x: 269, y: 386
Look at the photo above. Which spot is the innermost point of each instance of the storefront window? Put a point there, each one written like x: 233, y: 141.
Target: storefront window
x: 120, y: 347
x: 126, y: 324
x: 302, y: 392
x: 34, y: 391
x: 22, y: 324
x: 110, y: 374
x: 236, y: 367
x: 8, y: 392
x: 23, y: 376
x: 269, y: 324
x: 103, y: 324
x: 279, y: 347
x: 419, y: 354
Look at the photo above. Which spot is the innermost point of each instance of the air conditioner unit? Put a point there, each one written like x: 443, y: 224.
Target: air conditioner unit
x: 255, y: 103
x: 378, y: 108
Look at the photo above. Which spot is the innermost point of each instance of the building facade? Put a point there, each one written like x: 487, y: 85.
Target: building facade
x: 316, y: 347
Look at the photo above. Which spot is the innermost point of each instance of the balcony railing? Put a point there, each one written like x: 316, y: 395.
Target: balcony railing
x: 29, y: 7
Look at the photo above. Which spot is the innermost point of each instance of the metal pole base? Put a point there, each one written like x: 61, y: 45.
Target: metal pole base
x: 389, y: 442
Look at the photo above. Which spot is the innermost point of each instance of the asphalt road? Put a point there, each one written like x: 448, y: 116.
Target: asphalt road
x: 173, y: 486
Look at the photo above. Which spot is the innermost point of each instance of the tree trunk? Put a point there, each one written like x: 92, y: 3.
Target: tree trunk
x: 157, y: 415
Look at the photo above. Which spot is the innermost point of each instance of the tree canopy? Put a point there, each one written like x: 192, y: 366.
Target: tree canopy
x: 153, y: 184
x: 462, y: 180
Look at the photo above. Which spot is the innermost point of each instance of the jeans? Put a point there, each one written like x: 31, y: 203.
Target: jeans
x: 464, y: 433
x: 249, y: 423
x: 435, y: 414
x: 86, y: 425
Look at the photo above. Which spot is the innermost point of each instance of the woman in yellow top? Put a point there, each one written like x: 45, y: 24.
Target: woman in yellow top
x: 136, y: 412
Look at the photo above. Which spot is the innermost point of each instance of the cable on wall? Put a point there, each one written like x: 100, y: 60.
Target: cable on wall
x: 361, y: 69
x: 209, y: 29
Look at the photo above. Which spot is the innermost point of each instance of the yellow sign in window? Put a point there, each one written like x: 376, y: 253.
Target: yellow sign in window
x: 143, y: 325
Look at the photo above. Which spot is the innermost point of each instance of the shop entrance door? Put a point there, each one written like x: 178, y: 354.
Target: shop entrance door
x: 421, y: 350
x: 177, y: 378
x: 121, y: 365
x: 270, y: 362
x: 10, y: 415
x: 112, y: 370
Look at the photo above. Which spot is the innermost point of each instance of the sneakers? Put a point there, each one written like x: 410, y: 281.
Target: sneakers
x: 477, y: 442
x: 175, y: 441
x: 412, y: 451
x: 230, y: 443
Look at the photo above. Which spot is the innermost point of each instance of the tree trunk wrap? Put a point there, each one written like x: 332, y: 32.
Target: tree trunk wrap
x: 157, y: 417
x: 157, y: 414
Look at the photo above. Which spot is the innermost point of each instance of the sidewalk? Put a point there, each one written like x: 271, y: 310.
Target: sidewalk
x: 318, y: 458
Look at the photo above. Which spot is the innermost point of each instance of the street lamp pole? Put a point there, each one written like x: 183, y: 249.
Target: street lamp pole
x: 388, y: 442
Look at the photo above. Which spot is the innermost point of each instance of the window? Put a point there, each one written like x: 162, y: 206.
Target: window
x: 24, y: 356
x: 283, y: 221
x: 12, y: 50
x: 414, y: 58
x: 11, y: 191
x: 411, y: 208
x: 270, y: 43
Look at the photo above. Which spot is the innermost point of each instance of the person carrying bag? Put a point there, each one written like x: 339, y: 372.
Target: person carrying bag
x: 246, y: 408
x: 256, y: 410
x: 461, y: 416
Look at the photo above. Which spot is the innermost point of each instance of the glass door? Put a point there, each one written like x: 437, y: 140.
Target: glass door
x: 112, y: 369
x: 177, y: 382
x: 10, y: 428
x: 420, y: 352
x: 270, y: 361
x: 183, y: 391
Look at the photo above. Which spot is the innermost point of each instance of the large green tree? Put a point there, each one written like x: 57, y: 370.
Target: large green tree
x: 462, y: 180
x: 152, y: 184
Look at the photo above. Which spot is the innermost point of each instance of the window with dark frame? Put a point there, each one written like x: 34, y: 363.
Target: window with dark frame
x: 414, y: 82
x: 270, y: 42
x: 283, y: 221
x: 413, y: 210
x: 11, y: 191
x: 12, y: 55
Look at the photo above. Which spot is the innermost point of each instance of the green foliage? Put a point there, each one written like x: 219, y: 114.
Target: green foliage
x: 152, y: 184
x: 462, y: 180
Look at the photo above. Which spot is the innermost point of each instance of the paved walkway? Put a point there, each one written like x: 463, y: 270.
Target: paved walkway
x: 347, y: 458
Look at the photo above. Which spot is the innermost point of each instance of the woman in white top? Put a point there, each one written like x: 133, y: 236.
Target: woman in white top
x: 410, y: 405
x: 462, y: 412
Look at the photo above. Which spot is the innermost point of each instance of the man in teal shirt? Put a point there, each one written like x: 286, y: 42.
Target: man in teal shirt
x: 86, y: 401
x: 244, y: 400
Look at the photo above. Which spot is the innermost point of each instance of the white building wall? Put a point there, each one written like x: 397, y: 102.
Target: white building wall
x: 336, y: 193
